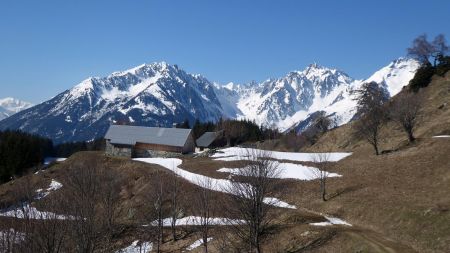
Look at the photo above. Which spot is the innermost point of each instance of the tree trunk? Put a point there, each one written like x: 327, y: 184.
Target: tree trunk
x: 411, y: 136
x: 205, y: 244
x: 375, y: 146
x: 174, y: 233
x: 322, y: 186
x: 258, y: 249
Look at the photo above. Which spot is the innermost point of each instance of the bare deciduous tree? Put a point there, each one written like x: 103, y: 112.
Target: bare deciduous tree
x: 41, y: 230
x: 321, y: 160
x: 158, y: 202
x: 91, y: 199
x: 152, y: 208
x: 370, y: 99
x: 250, y: 200
x: 440, y: 46
x: 109, y: 196
x: 175, y: 209
x: 10, y: 240
x: 369, y: 128
x: 204, y: 209
x: 405, y: 111
x: 421, y: 49
x: 49, y: 232
x: 320, y: 125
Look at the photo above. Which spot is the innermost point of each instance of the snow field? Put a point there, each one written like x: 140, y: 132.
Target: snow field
x: 289, y: 171
x: 237, y: 153
x: 30, y: 212
x: 331, y: 221
x: 197, y: 244
x: 197, y: 221
x: 220, y: 185
x: 144, y: 247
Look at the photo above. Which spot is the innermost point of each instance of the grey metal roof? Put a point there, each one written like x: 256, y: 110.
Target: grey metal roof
x: 129, y: 135
x: 207, y: 138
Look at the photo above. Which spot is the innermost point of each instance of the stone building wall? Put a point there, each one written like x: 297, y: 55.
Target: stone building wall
x: 118, y: 150
x: 147, y: 153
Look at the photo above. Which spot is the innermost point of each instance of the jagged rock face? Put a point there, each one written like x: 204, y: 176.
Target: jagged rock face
x: 160, y: 94
x: 278, y: 102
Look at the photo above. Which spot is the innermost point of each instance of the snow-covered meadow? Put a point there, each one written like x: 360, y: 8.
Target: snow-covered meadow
x: 288, y: 171
x: 237, y: 153
x: 220, y: 185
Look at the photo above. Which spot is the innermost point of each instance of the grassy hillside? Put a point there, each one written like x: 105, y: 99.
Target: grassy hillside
x: 396, y: 202
x: 403, y: 195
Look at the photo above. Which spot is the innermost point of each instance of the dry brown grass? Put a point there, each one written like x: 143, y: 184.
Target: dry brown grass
x: 404, y: 195
x: 397, y: 202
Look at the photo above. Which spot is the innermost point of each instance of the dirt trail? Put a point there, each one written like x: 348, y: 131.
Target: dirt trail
x: 377, y: 242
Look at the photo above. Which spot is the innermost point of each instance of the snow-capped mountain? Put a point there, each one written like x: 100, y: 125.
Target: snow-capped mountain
x: 395, y: 75
x: 285, y: 101
x: 160, y: 94
x: 10, y: 106
x: 290, y: 101
x: 157, y: 94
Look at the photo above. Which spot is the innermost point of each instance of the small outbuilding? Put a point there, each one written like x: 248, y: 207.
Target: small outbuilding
x: 139, y: 141
x: 208, y: 139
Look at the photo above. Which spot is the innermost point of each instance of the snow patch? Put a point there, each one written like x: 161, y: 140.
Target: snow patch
x: 54, y: 185
x: 288, y: 170
x: 30, y: 212
x: 10, y: 237
x: 144, y: 247
x: 236, y: 153
x: 197, y: 244
x: 49, y: 160
x: 220, y: 185
x: 331, y: 221
x: 441, y: 136
x: 197, y: 221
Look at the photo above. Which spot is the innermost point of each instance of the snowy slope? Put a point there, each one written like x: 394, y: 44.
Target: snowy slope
x: 396, y: 75
x: 160, y: 94
x: 293, y: 100
x: 10, y: 106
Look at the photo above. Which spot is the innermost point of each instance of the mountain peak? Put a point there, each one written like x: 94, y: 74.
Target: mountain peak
x: 154, y: 66
x: 10, y: 106
x: 315, y: 70
x: 315, y: 65
x: 396, y: 74
x: 161, y: 94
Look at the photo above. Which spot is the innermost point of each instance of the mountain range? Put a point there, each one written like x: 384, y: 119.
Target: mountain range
x: 10, y: 106
x: 160, y: 94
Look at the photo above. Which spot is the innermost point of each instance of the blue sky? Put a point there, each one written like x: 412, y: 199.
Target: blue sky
x: 48, y: 46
